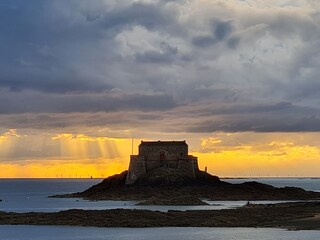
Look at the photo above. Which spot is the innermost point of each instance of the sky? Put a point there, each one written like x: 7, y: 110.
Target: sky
x: 237, y: 79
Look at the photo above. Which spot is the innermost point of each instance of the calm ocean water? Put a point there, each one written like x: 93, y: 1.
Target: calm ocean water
x: 24, y: 195
x: 89, y: 233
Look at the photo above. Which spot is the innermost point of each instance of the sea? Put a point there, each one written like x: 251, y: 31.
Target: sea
x: 31, y: 195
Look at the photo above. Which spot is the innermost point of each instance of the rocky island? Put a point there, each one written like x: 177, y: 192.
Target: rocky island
x: 164, y: 174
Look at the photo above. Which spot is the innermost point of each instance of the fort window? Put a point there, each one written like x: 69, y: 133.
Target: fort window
x: 162, y: 155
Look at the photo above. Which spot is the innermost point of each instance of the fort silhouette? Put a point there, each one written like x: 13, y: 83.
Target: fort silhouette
x: 165, y: 154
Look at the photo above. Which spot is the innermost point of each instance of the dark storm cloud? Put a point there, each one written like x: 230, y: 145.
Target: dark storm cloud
x: 77, y: 121
x: 218, y: 66
x: 53, y: 103
x: 204, y: 41
x: 279, y: 117
x: 221, y: 30
x: 284, y: 124
x: 47, y: 51
x: 227, y: 109
x: 29, y: 36
x: 62, y: 82
x: 233, y: 42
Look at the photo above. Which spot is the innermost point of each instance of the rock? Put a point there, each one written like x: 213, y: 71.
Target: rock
x: 173, y: 201
x: 175, y: 177
x: 168, y: 186
x: 303, y: 215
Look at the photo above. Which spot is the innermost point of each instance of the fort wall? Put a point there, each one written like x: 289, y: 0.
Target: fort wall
x: 137, y: 168
x: 173, y: 154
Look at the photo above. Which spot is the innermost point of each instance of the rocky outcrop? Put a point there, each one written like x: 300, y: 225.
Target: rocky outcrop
x: 303, y: 215
x: 173, y: 201
x: 167, y: 186
x: 172, y: 177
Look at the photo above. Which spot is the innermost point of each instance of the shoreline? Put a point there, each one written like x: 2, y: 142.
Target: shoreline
x: 291, y: 216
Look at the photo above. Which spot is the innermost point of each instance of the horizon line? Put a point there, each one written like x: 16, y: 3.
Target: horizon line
x: 224, y: 177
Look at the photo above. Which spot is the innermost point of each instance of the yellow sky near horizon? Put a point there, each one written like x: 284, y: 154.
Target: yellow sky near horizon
x: 246, y: 154
x: 90, y: 75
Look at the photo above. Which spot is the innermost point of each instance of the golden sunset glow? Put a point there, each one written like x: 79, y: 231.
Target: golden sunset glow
x: 71, y: 155
x: 62, y: 169
x: 247, y: 154
x: 250, y: 162
x: 261, y: 154
x: 82, y: 146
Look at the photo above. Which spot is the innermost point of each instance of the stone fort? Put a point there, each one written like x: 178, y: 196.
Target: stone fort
x: 155, y: 154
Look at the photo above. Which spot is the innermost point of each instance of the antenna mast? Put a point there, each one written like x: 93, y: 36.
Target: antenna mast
x: 132, y: 146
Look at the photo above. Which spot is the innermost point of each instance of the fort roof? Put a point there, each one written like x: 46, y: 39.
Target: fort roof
x: 152, y: 143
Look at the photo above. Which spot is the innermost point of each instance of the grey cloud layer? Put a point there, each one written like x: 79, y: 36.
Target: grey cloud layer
x: 34, y: 102
x: 219, y: 66
x: 195, y: 118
